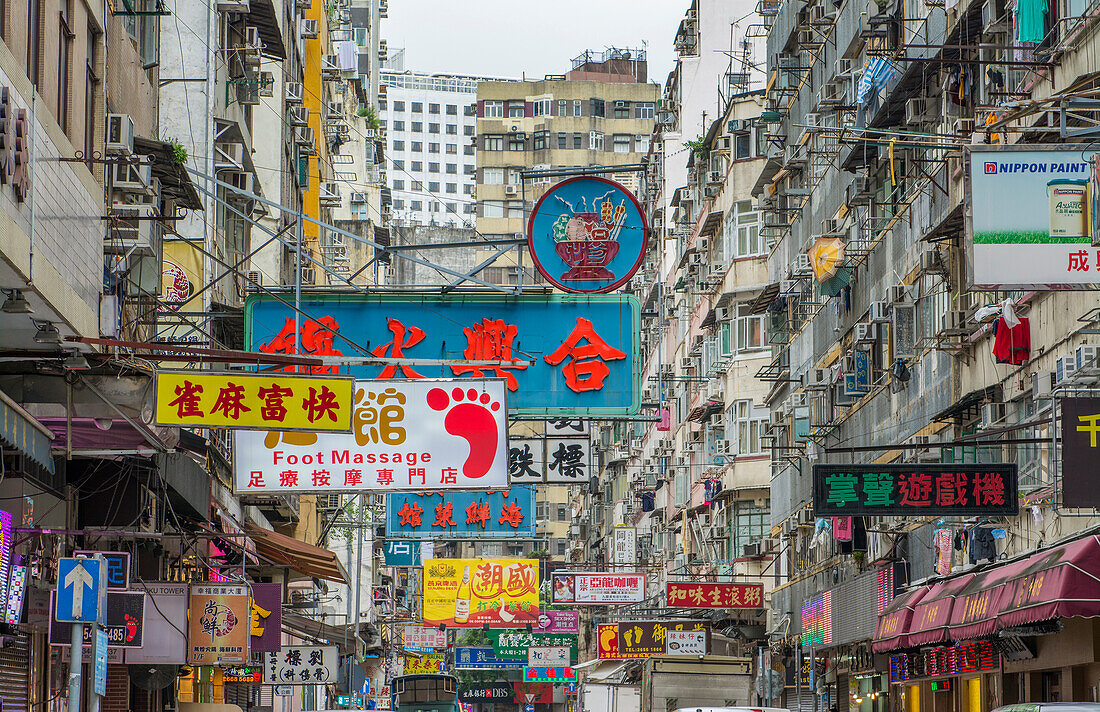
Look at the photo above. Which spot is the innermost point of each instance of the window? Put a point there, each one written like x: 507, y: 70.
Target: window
x: 641, y: 143
x: 417, y: 146
x: 622, y: 143
x: 452, y: 149
x: 398, y: 204
x: 540, y: 140
x: 742, y: 145
x: 416, y: 205
x: 576, y: 107
x: 468, y: 169
x: 418, y: 165
x: 622, y: 109
x: 433, y: 108
x: 433, y: 187
x: 433, y: 148
x: 398, y: 184
x: 399, y: 145
x: 515, y: 110
x: 563, y: 107
x: 398, y: 106
x: 467, y: 130
x: 563, y: 140
x: 750, y: 330
x: 417, y: 185
x: 467, y: 189
x: 468, y: 150
x: 417, y: 107
x: 540, y: 512
x: 595, y: 141
x: 643, y: 110
x: 452, y: 110
x: 748, y: 423
x: 515, y: 142
x: 515, y: 176
x: 398, y: 125
x: 596, y: 107
x: 543, y: 107
x: 562, y: 548
x: 741, y: 231
x: 492, y: 176
x: 452, y: 129
x: 452, y: 169
x: 433, y: 128
x: 382, y: 104
x: 578, y: 140
x: 433, y: 168
x: 469, y: 110
x: 417, y: 127
x: 515, y: 209
x: 493, y: 142
x: 469, y: 209
x: 563, y: 513
x: 494, y: 109
x: 492, y: 208
x: 748, y: 524
x: 452, y: 188
x: 399, y: 165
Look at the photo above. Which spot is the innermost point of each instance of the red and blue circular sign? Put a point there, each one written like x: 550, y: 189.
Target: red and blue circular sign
x: 587, y: 235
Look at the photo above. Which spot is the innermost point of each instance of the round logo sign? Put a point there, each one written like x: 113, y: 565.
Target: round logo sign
x: 587, y: 235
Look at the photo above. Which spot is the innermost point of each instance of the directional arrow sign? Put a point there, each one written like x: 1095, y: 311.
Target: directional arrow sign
x: 81, y: 583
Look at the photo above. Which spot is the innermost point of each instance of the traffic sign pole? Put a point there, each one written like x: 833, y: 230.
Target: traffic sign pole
x: 98, y: 671
x: 76, y: 662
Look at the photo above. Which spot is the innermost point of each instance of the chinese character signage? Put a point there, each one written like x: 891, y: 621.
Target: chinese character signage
x: 684, y: 594
x: 468, y: 593
x: 642, y: 638
x: 401, y: 553
x: 421, y: 639
x: 408, y: 435
x: 118, y: 567
x: 125, y: 622
x: 588, y: 235
x: 266, y: 619
x: 568, y: 622
x: 623, y: 544
x: 597, y: 588
x: 510, y: 513
x: 484, y: 659
x: 1031, y: 227
x: 302, y: 666
x: 561, y: 355
x: 686, y: 642
x: 607, y: 643
x: 218, y: 626
x: 537, y: 657
x: 549, y: 674
x: 253, y: 400
x: 915, y: 490
x: 486, y: 692
x: 514, y: 644
x: 424, y: 664
x: 1080, y: 452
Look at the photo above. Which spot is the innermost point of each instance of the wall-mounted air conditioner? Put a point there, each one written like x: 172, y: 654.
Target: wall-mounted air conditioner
x: 295, y: 93
x: 120, y: 135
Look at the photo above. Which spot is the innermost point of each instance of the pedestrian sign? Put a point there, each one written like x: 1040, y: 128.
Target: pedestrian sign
x: 81, y: 590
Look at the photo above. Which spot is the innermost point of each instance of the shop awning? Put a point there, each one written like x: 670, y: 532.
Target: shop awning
x: 931, y: 616
x: 608, y: 670
x: 22, y: 432
x: 976, y: 606
x: 893, y: 623
x: 1061, y: 583
x: 287, y: 551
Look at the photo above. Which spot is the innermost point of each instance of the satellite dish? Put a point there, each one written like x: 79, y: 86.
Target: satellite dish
x: 153, y: 677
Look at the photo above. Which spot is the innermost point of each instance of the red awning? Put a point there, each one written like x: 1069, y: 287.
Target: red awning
x: 1061, y: 583
x: 933, y: 613
x: 893, y: 622
x: 974, y: 614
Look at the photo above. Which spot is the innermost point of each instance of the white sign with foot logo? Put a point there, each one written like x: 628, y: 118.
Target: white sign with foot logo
x: 407, y: 435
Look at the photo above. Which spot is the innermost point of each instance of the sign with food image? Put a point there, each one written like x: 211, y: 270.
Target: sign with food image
x: 468, y: 593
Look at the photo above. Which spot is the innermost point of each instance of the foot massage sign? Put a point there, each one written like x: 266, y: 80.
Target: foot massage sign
x: 468, y: 593
x: 406, y: 435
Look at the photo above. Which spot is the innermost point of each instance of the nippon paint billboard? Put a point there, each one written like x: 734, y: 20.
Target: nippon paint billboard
x: 1034, y: 216
x: 564, y: 355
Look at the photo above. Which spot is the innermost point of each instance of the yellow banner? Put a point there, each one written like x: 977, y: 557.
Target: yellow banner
x: 426, y: 663
x: 218, y: 624
x: 256, y: 401
x: 467, y: 593
x: 181, y: 277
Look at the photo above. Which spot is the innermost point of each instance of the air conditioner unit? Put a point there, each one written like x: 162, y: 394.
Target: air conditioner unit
x: 1086, y: 357
x: 295, y: 93
x: 992, y: 413
x: 964, y: 127
x: 715, y: 177
x: 303, y: 136
x: 236, y: 6
x: 953, y: 320
x: 802, y: 264
x: 683, y: 460
x: 880, y: 312
x: 132, y: 226
x: 254, y: 279
x: 722, y: 314
x: 897, y: 293
x: 248, y: 91
x: 309, y: 29
x: 806, y: 518
x: 865, y: 332
x: 511, y: 190
x: 818, y: 379
x: 930, y: 261
x: 132, y: 177
x: 619, y: 104
x: 832, y: 226
x: 753, y: 550
x: 822, y: 13
x: 336, y: 109
x: 845, y: 66
x: 330, y: 193
x: 1042, y: 383
x: 1064, y: 369
x: 723, y: 143
x: 358, y: 197
x: 120, y: 135
x: 299, y: 115
x: 788, y: 286
x: 330, y: 64
x: 914, y: 111
x: 723, y: 446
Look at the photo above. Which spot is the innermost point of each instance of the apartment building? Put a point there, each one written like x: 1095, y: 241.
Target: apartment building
x: 598, y: 114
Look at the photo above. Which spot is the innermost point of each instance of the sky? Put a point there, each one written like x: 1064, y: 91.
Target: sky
x: 510, y: 38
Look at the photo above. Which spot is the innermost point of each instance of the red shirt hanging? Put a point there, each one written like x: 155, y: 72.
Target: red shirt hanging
x: 1012, y: 345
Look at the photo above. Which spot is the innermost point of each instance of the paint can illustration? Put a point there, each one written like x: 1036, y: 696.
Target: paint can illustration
x: 1068, y: 208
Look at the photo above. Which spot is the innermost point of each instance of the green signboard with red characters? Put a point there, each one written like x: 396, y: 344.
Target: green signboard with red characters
x: 934, y: 489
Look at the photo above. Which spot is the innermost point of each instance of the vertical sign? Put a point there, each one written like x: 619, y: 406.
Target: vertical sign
x: 219, y: 624
x: 1080, y: 450
x: 623, y: 546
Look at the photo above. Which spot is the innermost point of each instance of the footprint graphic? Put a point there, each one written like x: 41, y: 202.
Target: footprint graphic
x: 131, y: 627
x: 469, y: 418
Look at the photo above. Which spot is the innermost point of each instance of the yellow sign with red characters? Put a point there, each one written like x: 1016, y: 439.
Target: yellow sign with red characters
x: 425, y: 664
x: 467, y: 593
x: 254, y: 401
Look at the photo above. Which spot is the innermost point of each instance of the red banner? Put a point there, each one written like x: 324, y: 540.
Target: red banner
x: 685, y: 594
x: 530, y: 693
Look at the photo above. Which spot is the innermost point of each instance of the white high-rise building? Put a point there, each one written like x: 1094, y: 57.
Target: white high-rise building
x: 430, y: 122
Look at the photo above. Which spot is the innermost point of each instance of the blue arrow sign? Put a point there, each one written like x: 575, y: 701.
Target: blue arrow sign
x: 81, y: 586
